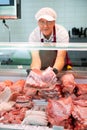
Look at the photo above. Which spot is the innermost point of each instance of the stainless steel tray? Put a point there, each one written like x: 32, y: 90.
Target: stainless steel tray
x: 24, y: 127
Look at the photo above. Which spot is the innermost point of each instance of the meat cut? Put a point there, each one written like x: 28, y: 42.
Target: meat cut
x: 41, y: 79
x: 58, y: 111
x: 66, y: 101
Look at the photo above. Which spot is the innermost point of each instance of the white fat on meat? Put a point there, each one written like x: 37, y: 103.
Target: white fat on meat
x: 6, y: 105
x: 5, y: 95
x: 33, y: 112
x: 35, y: 118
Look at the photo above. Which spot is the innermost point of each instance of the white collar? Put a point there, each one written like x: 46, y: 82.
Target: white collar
x: 46, y: 40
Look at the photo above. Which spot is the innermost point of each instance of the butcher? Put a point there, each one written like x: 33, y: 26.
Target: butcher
x: 47, y: 31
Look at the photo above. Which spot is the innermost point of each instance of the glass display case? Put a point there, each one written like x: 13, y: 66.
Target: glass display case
x: 15, y: 57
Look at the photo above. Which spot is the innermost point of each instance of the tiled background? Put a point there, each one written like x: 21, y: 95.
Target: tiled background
x: 71, y: 13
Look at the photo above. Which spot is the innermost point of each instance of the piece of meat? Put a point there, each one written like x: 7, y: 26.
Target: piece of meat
x: 23, y: 99
x: 59, y: 110
x: 80, y: 113
x: 35, y: 118
x: 8, y: 82
x: 30, y: 91
x: 33, y: 112
x: 4, y: 84
x: 18, y: 86
x: 80, y: 102
x: 6, y: 105
x: 41, y: 79
x: 34, y: 80
x: 79, y: 126
x: 37, y: 71
x: 53, y: 92
x: 68, y: 83
x: 82, y: 89
x: 83, y: 97
x: 14, y: 116
x: 5, y: 95
x: 13, y: 96
x: 49, y: 76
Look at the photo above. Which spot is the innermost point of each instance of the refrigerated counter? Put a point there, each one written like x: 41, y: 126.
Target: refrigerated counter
x: 18, y: 71
x: 20, y: 56
x: 20, y: 53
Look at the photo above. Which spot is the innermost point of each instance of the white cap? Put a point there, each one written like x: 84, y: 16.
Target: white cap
x: 46, y: 13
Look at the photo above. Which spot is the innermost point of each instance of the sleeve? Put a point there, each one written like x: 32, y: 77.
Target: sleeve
x: 62, y: 34
x: 34, y: 36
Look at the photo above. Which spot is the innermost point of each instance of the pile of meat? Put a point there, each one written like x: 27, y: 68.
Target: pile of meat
x: 66, y: 101
x: 72, y: 114
x: 42, y: 84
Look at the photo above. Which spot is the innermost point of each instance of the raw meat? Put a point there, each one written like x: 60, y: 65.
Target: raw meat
x: 5, y: 95
x: 5, y: 84
x: 59, y: 110
x: 18, y: 86
x: 49, y: 76
x: 80, y: 114
x: 35, y: 118
x: 6, y: 105
x: 34, y: 80
x: 53, y: 92
x: 68, y: 83
x: 82, y: 89
x: 41, y: 79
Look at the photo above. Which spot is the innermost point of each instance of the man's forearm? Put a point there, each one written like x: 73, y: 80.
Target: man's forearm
x: 59, y: 65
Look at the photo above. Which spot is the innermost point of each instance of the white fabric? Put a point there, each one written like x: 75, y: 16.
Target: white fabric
x: 61, y: 35
x: 46, y: 13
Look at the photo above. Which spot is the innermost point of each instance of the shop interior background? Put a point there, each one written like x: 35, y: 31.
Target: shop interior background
x: 71, y: 13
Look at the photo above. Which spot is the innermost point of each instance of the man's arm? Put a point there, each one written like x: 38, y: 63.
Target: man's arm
x: 36, y: 62
x: 60, y: 60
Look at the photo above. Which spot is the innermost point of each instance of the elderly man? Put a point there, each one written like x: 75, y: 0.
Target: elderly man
x: 48, y: 31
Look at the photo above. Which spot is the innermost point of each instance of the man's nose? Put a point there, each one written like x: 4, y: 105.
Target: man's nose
x: 45, y: 24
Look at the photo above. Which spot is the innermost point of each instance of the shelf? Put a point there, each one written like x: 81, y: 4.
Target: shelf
x: 41, y: 46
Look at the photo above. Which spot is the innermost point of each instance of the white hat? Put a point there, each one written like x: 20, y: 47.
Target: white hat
x: 46, y: 13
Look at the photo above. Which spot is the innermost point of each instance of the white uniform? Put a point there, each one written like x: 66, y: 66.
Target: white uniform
x: 61, y: 35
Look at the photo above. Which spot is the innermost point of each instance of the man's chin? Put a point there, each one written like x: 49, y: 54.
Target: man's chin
x: 46, y: 33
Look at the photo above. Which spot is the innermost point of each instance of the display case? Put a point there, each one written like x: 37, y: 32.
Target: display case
x: 15, y: 59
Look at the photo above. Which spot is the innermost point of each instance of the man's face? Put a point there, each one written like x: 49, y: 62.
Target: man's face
x: 46, y: 27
